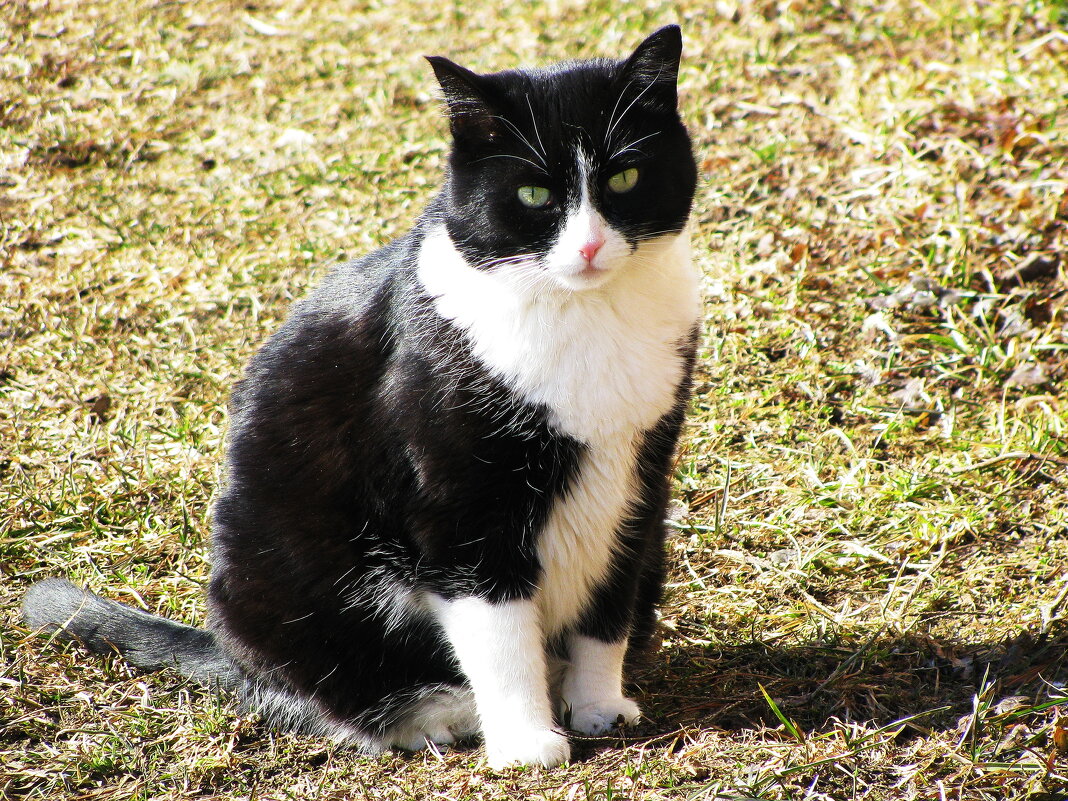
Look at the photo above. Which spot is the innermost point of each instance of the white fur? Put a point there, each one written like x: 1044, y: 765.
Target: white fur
x: 591, y: 695
x: 605, y: 359
x: 288, y: 710
x: 441, y: 719
x: 373, y: 590
x: 500, y: 648
x: 565, y: 261
x: 597, y: 344
x: 576, y: 545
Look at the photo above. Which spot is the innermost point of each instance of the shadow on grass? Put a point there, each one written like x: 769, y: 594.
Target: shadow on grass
x: 877, y: 682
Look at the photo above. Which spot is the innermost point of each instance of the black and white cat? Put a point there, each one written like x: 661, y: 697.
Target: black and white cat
x: 448, y: 470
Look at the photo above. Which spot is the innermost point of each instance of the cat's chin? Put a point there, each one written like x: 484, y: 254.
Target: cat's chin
x: 582, y: 280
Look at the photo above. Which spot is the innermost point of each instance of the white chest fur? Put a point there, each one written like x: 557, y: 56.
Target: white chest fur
x: 575, y: 548
x: 604, y: 361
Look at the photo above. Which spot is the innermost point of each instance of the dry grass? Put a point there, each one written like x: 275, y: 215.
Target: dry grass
x: 876, y: 470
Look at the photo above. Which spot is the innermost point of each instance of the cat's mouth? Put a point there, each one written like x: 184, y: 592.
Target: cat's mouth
x: 585, y: 276
x: 593, y: 271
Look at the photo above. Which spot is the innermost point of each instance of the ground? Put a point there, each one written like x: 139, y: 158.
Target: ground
x: 869, y: 551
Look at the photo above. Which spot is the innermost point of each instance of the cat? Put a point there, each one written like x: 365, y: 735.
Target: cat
x: 448, y: 471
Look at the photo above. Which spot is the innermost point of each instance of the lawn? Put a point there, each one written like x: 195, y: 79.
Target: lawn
x: 869, y: 587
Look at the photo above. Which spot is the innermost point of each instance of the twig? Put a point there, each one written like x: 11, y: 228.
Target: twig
x: 1006, y: 457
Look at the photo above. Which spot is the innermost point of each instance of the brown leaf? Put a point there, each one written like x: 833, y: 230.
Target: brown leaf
x: 98, y: 407
x: 1060, y: 735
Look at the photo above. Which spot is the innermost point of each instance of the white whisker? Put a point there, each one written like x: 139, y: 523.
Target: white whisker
x: 612, y: 116
x: 631, y: 146
x: 538, y: 167
x: 608, y: 136
x: 512, y: 127
x: 537, y: 134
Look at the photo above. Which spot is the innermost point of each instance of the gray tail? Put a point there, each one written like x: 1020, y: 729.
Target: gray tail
x: 148, y: 642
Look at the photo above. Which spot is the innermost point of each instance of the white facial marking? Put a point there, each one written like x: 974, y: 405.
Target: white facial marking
x: 587, y: 251
x: 592, y: 693
x: 501, y: 650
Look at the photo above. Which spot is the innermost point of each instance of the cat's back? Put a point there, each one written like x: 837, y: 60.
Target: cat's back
x: 310, y: 395
x: 342, y: 329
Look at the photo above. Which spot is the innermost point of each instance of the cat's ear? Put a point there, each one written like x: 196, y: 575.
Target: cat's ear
x: 653, y: 68
x: 471, y: 115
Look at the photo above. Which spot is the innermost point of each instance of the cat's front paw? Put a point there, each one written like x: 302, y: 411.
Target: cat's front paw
x: 602, y: 716
x: 545, y: 747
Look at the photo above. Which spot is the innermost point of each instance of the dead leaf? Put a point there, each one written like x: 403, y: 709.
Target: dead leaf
x: 1028, y: 375
x: 1060, y: 735
x: 261, y: 27
x: 98, y: 407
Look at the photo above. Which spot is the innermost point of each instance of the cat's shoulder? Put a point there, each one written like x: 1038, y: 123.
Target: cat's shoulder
x: 341, y: 330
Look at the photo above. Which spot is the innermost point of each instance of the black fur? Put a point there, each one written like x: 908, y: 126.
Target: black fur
x: 370, y: 455
x: 521, y: 127
x: 393, y: 462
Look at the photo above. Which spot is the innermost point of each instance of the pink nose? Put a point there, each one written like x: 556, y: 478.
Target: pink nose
x: 589, y: 250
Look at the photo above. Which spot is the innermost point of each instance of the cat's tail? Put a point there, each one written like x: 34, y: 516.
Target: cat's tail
x: 59, y: 608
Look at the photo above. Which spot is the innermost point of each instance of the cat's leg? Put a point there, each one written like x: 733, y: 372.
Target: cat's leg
x: 591, y: 693
x: 500, y: 648
x: 592, y: 697
x: 622, y: 611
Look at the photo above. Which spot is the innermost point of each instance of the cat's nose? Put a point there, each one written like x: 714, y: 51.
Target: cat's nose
x: 589, y: 250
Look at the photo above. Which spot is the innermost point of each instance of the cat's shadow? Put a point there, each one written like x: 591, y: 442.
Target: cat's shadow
x: 876, y: 681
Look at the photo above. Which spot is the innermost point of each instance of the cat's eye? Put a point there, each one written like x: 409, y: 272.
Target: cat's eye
x: 623, y: 181
x: 534, y: 197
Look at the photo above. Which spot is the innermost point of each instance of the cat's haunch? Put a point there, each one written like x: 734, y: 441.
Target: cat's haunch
x: 447, y: 472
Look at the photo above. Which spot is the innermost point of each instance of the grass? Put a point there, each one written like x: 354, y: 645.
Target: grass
x: 870, y: 567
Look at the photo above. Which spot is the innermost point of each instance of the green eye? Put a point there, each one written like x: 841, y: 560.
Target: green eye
x: 623, y: 181
x: 534, y: 197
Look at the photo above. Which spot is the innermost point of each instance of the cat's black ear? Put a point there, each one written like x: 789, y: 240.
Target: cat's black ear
x: 653, y: 68
x: 471, y: 114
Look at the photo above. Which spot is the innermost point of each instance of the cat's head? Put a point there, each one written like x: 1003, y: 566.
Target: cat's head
x: 568, y: 173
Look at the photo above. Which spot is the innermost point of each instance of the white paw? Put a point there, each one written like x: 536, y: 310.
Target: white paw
x: 442, y: 719
x: 411, y: 739
x: 545, y: 747
x: 603, y: 716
